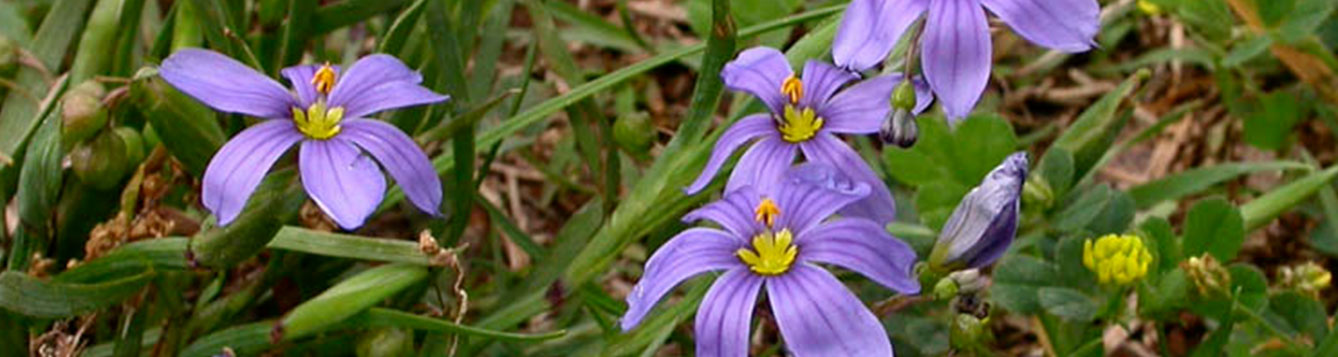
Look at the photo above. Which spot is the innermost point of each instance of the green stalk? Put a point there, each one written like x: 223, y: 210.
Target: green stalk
x: 98, y: 43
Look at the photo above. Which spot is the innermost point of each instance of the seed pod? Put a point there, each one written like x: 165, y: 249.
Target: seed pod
x: 385, y: 342
x: 634, y: 133
x: 82, y: 112
x: 102, y: 162
x: 278, y: 200
x: 349, y: 297
x: 134, y: 145
x: 189, y: 130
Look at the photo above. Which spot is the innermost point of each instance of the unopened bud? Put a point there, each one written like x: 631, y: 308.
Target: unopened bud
x: 134, y: 145
x: 102, y: 162
x: 1037, y: 193
x: 904, y: 96
x: 1208, y: 275
x: 945, y: 289
x: 899, y: 128
x: 635, y: 133
x: 82, y: 112
x: 1308, y: 279
x: 985, y: 222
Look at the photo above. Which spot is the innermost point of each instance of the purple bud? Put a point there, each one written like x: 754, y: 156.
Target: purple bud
x: 985, y: 222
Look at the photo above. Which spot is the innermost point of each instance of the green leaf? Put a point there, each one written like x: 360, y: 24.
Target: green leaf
x: 381, y: 317
x: 1214, y: 226
x: 1115, y: 216
x: 1017, y: 280
x: 1246, y: 51
x: 1068, y: 263
x: 657, y: 326
x: 1165, y: 299
x: 129, y: 260
x: 1092, y: 132
x: 1084, y: 209
x: 1165, y: 246
x: 1056, y: 168
x: 973, y: 148
x: 1304, y: 314
x: 31, y: 297
x: 1273, y: 11
x: 347, y: 298
x: 40, y: 178
x: 348, y: 12
x: 1197, y: 180
x: 1305, y: 19
x: 936, y: 201
x: 1251, y: 285
x: 20, y: 114
x: 1069, y: 304
x: 189, y: 130
x: 1278, y: 200
x: 1271, y: 122
x: 349, y: 246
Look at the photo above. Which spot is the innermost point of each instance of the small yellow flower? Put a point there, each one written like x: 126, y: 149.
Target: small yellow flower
x: 1148, y: 7
x: 1207, y: 274
x: 1308, y: 278
x: 1117, y: 259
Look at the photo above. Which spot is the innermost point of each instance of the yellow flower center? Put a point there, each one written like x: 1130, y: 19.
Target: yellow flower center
x: 1120, y: 259
x: 799, y: 125
x: 772, y: 253
x: 324, y: 79
x: 793, y: 88
x: 767, y: 211
x: 318, y: 122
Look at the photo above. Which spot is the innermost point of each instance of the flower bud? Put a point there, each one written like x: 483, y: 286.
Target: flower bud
x: 102, y: 162
x: 82, y: 112
x: 1117, y: 259
x: 634, y: 133
x: 985, y: 222
x: 134, y: 145
x: 899, y: 128
x: 1208, y: 275
x: 1308, y: 279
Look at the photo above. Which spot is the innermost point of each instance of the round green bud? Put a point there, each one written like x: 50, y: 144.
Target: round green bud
x: 635, y: 133
x: 134, y: 145
x: 102, y: 162
x: 904, y: 96
x: 945, y: 289
x: 82, y: 113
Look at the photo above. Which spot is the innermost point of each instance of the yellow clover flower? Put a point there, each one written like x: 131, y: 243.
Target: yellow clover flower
x: 1117, y: 259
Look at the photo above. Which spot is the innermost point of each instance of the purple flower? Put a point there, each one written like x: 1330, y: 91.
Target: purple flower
x: 956, y: 44
x: 806, y: 114
x: 327, y: 116
x: 777, y: 241
x: 985, y: 222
